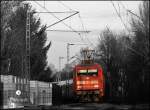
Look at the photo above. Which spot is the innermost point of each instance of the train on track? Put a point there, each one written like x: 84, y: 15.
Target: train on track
x: 88, y: 82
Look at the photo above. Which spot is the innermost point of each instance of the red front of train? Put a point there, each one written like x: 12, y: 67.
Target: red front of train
x: 88, y: 81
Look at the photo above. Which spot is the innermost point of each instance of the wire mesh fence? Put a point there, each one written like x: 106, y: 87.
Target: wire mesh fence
x: 15, y: 93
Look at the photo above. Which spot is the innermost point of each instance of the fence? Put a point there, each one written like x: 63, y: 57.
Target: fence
x: 40, y: 92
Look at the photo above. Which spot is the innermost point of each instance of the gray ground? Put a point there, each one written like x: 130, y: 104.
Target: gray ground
x: 104, y: 106
x: 89, y: 106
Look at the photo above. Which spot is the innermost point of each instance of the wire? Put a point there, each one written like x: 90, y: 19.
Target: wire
x: 129, y: 11
x: 56, y: 17
x: 85, y: 31
x: 61, y: 20
x: 57, y: 12
x: 70, y: 19
x: 120, y: 18
x: 124, y: 9
x: 65, y: 5
x: 128, y: 30
x: 122, y: 5
x: 72, y: 10
x: 68, y: 31
x: 82, y: 36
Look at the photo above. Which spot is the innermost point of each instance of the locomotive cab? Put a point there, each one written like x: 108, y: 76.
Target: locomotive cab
x: 88, y: 82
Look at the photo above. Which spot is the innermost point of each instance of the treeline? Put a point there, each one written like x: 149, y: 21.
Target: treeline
x: 126, y: 59
x: 13, y: 45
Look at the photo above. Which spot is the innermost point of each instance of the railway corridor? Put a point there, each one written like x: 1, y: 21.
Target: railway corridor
x: 97, y: 106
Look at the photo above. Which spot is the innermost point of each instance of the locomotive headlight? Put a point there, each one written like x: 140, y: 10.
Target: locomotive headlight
x: 78, y: 87
x: 81, y: 82
x: 96, y: 86
x: 94, y: 82
x: 78, y: 82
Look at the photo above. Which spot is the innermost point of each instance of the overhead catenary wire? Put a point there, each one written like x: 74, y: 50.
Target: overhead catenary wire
x: 55, y: 16
x: 140, y: 24
x: 65, y: 5
x: 68, y: 31
x: 122, y: 5
x: 70, y: 22
x: 55, y: 12
x: 60, y: 20
x: 91, y: 44
x: 127, y: 29
x: 85, y: 31
x: 129, y: 11
x: 71, y: 10
x: 118, y: 14
x: 124, y: 9
x: 79, y: 17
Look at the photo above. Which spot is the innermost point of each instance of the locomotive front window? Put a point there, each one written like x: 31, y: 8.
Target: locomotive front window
x: 82, y: 72
x: 92, y: 71
x: 88, y: 72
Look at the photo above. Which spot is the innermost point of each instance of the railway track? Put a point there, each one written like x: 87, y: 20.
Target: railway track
x: 88, y: 106
x: 103, y: 106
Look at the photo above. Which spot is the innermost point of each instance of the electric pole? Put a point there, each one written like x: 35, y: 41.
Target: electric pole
x: 27, y: 59
x: 67, y: 75
x: 59, y: 75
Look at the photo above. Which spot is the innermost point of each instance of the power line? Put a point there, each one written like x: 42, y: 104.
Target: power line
x: 129, y: 10
x: 127, y: 29
x: 56, y: 12
x: 134, y: 14
x: 65, y: 5
x: 60, y: 20
x: 69, y: 31
x: 120, y: 17
x: 85, y: 31
x: 122, y: 5
x: 80, y: 20
x: 72, y: 10
x: 55, y: 16
x: 125, y: 10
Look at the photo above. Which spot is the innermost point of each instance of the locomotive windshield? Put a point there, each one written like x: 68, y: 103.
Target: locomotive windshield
x: 88, y: 72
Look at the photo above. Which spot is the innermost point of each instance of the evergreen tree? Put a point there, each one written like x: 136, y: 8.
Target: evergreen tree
x: 14, y: 47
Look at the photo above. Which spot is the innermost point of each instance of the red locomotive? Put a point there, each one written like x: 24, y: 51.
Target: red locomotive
x: 88, y: 80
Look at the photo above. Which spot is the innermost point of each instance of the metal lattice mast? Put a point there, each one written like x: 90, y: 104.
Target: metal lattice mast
x: 28, y: 49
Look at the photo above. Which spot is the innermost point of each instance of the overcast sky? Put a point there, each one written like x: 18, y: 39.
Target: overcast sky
x: 95, y: 15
